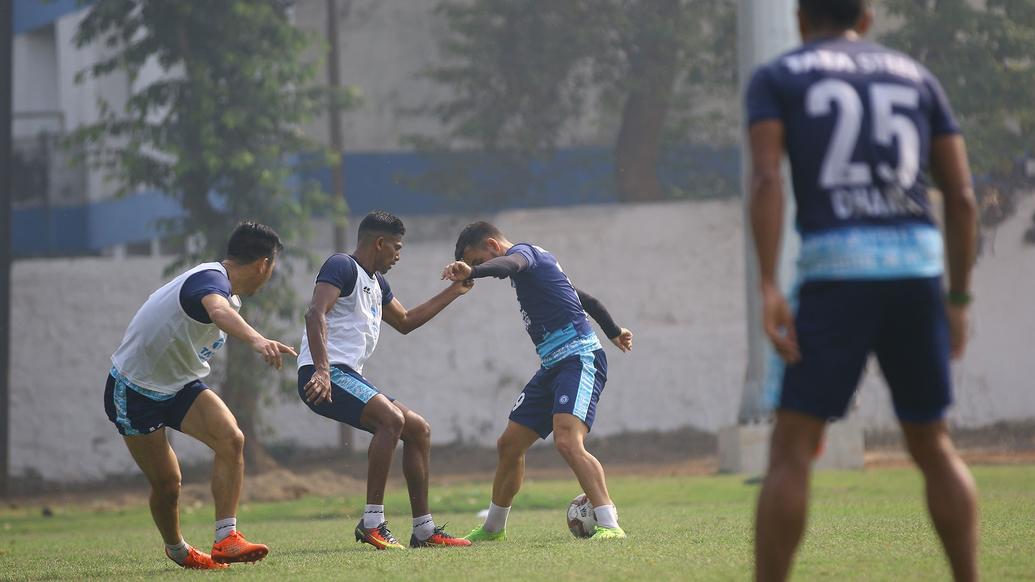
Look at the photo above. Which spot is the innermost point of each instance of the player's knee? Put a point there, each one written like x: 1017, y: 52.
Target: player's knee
x: 168, y: 487
x: 391, y: 421
x: 417, y: 430
x: 929, y: 448
x: 231, y: 443
x: 797, y: 458
x: 568, y: 445
x: 508, y: 448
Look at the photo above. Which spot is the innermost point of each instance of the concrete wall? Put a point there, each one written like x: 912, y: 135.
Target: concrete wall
x: 673, y: 273
x: 385, y: 46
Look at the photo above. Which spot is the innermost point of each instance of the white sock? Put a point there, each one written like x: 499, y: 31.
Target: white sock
x: 423, y: 527
x: 373, y: 516
x: 607, y: 516
x: 225, y: 527
x: 497, y: 518
x: 178, y: 552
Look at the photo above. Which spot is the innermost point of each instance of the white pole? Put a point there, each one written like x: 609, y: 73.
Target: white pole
x: 765, y: 28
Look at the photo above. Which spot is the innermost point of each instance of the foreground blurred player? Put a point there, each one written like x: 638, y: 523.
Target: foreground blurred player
x: 862, y: 125
x: 342, y: 325
x: 562, y: 396
x: 156, y: 381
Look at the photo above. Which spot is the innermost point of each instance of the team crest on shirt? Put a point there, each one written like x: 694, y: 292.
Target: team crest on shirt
x: 366, y: 289
x: 563, y: 399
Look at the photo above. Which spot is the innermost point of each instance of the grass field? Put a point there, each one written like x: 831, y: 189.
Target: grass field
x: 863, y: 526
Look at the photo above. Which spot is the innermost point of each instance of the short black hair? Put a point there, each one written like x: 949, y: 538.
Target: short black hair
x: 383, y: 222
x: 840, y: 13
x: 252, y: 241
x: 473, y: 234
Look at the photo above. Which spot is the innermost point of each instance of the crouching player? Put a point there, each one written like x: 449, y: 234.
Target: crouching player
x: 342, y: 326
x: 156, y: 382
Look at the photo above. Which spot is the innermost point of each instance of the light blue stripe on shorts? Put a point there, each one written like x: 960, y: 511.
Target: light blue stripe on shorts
x: 586, y: 382
x: 353, y: 386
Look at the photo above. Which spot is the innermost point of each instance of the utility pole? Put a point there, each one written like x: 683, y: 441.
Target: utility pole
x: 6, y: 107
x: 346, y: 434
x: 765, y: 29
x: 334, y: 116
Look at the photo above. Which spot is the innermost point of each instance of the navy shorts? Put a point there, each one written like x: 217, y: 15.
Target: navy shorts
x: 136, y: 410
x: 839, y: 323
x: 350, y: 392
x: 571, y: 386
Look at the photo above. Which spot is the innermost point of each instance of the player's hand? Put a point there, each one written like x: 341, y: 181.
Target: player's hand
x: 318, y: 388
x: 457, y: 271
x: 778, y: 323
x: 270, y: 351
x: 624, y: 340
x: 959, y: 329
x: 462, y: 287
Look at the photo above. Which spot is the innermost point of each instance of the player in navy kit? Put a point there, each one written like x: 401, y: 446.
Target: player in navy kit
x: 343, y: 323
x: 562, y: 396
x: 862, y: 125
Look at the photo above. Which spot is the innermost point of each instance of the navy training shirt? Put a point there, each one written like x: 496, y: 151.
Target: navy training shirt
x: 340, y: 270
x: 548, y: 301
x: 197, y: 287
x: 858, y: 121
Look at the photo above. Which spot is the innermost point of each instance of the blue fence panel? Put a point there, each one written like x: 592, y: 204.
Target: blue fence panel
x: 400, y: 182
x: 32, y: 14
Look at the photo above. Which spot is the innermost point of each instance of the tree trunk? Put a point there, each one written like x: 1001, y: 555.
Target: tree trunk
x: 653, y: 58
x: 241, y: 393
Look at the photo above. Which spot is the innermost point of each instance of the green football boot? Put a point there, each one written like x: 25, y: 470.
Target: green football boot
x: 607, y: 533
x: 479, y: 534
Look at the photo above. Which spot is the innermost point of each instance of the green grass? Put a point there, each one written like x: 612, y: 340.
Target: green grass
x: 863, y: 526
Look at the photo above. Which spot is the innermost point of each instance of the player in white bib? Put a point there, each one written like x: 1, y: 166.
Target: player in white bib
x: 156, y: 381
x: 343, y: 323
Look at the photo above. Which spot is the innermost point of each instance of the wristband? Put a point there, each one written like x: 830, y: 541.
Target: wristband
x: 959, y: 298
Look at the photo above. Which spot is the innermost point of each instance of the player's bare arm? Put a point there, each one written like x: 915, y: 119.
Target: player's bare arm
x: 766, y: 207
x: 951, y: 171
x: 318, y: 389
x: 619, y: 336
x: 406, y: 320
x: 229, y: 320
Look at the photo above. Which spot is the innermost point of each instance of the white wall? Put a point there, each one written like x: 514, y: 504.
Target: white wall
x: 35, y: 87
x: 671, y: 272
x: 383, y: 44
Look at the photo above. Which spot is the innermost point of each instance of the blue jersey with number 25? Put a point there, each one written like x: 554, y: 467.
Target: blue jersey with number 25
x: 858, y: 121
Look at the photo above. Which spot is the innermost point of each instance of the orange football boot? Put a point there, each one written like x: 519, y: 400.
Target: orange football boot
x: 198, y: 561
x: 234, y: 548
x: 438, y: 539
x: 380, y: 537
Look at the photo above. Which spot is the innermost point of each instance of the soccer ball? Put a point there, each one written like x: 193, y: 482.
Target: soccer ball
x: 581, y: 520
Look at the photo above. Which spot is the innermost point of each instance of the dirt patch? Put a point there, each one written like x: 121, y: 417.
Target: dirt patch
x: 1003, y: 436
x: 338, y: 474
x: 897, y: 457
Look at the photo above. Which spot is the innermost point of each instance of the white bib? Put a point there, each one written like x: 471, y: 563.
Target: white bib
x: 164, y: 348
x: 353, y: 325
